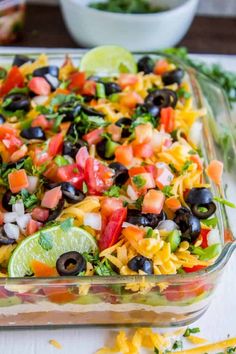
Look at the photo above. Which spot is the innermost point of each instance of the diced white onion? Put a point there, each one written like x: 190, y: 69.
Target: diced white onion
x: 213, y: 237
x: 39, y: 100
x: 195, y: 133
x: 33, y: 183
x: 18, y: 208
x: 132, y: 193
x: 22, y: 222
x: 53, y: 81
x: 167, y: 225
x: 12, y: 231
x: 127, y: 224
x: 93, y: 220
x: 10, y: 217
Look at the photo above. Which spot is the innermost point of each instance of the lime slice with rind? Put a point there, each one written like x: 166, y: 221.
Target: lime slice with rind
x: 47, y: 246
x: 107, y: 61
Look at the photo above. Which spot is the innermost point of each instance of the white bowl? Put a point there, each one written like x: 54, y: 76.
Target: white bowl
x: 90, y: 27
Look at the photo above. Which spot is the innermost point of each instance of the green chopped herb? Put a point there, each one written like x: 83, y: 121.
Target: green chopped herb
x: 114, y: 97
x: 192, y: 152
x: 172, y: 167
x: 143, y: 118
x: 29, y: 200
x: 45, y: 240
x: 7, y: 102
x: 3, y: 73
x: 104, y: 269
x: 178, y: 344
x: 100, y: 90
x: 186, y: 166
x: 61, y: 161
x: 202, y: 209
x: 139, y: 181
x: 60, y: 99
x: 182, y: 93
x: 149, y: 233
x: 139, y: 202
x: 207, y: 253
x: 167, y: 191
x: 113, y: 191
x: 210, y: 222
x: 231, y: 350
x: 84, y: 188
x: 190, y: 331
x: 67, y: 224
x: 224, y: 202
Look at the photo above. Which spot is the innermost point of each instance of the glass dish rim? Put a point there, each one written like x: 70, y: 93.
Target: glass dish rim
x: 228, y: 248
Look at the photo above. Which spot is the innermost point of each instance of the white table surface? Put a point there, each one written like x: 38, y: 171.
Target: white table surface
x: 218, y: 322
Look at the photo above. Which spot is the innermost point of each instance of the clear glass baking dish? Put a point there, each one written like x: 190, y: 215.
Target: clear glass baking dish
x: 173, y: 299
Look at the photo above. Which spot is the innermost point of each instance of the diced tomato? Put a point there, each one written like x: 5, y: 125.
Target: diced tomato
x: 42, y: 122
x: 168, y: 119
x: 82, y: 156
x: 152, y: 169
x: 109, y: 205
x: 41, y: 269
x: 6, y: 130
x: 18, y: 180
x: 51, y: 198
x: 59, y: 294
x: 187, y: 291
x: 161, y: 67
x: 94, y: 137
x: 143, y: 151
x: 204, y: 236
x: 12, y: 142
x: 40, y: 214
x: 193, y: 269
x: 143, y: 133
x: 14, y: 79
x: 115, y: 132
x: 77, y: 81
x: 127, y: 80
x: 173, y: 204
x: 72, y: 174
x: 32, y: 227
x: 164, y: 177
x: 98, y: 177
x: 40, y: 156
x: 55, y: 144
x: 89, y: 88
x: 133, y: 234
x: 64, y: 126
x: 130, y: 99
x: 133, y: 171
x: 39, y: 86
x: 112, y: 231
x: 215, y: 171
x: 197, y: 159
x: 149, y: 182
x: 124, y: 155
x: 51, y: 172
x: 153, y: 202
x: 17, y: 155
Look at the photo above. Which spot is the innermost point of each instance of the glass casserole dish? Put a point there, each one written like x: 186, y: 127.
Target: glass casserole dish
x: 173, y: 299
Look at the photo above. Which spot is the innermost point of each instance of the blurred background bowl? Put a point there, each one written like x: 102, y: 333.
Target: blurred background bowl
x: 12, y: 16
x: 90, y: 27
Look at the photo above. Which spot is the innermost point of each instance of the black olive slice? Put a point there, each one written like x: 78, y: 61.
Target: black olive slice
x: 172, y: 77
x: 6, y: 200
x: 33, y: 133
x: 42, y: 72
x: 135, y: 217
x: 17, y: 101
x: 2, y: 119
x: 161, y: 98
x: 4, y: 240
x: 53, y: 214
x: 203, y: 211
x: 121, y: 175
x: 141, y: 263
x: 146, y: 65
x: 71, y: 194
x: 71, y: 264
x: 111, y: 88
x: 21, y: 60
x: 199, y: 196
x: 189, y: 224
x: 70, y: 110
x: 125, y: 124
x: 92, y: 112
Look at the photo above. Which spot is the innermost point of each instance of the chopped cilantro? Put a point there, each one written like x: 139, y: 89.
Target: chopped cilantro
x: 182, y: 93
x: 104, y: 269
x: 85, y: 188
x: 45, y: 240
x: 186, y: 166
x: 231, y: 350
x: 172, y: 167
x: 192, y: 152
x: 178, y: 344
x: 139, y: 181
x: 60, y: 99
x: 190, y: 331
x: 113, y: 191
x: 139, y: 202
x: 61, y: 161
x: 224, y: 202
x: 167, y: 191
x: 29, y: 200
x: 3, y: 73
x: 7, y: 102
x: 207, y: 253
x: 149, y: 233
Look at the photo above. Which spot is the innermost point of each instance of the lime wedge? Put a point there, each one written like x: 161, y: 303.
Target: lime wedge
x: 47, y: 245
x: 108, y: 60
